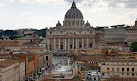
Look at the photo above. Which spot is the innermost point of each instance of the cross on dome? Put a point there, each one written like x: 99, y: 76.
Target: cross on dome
x: 73, y: 4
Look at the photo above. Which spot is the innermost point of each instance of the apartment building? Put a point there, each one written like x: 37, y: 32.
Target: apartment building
x: 114, y: 35
x: 9, y: 70
x: 119, y: 68
x: 5, y: 43
x: 131, y: 34
x: 45, y: 59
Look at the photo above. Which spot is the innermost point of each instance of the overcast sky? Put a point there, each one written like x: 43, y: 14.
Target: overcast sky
x: 16, y: 14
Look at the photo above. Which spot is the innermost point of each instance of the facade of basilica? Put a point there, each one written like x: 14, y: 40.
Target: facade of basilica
x: 74, y: 34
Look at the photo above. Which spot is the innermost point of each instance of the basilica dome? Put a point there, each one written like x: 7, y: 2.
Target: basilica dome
x: 73, y: 12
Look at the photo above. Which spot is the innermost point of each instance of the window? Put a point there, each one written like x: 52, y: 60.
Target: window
x: 94, y: 78
x: 70, y: 46
x: 90, y: 45
x: 127, y: 74
x: 46, y: 57
x: 132, y: 74
x: 117, y: 63
x: 103, y: 74
x: 132, y: 69
x: 112, y: 69
x: 117, y: 69
x: 80, y: 46
x: 107, y: 69
x: 127, y: 69
x: 122, y: 69
x: 50, y: 32
x: 61, y: 46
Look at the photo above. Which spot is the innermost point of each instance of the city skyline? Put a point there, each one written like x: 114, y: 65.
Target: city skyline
x: 16, y: 14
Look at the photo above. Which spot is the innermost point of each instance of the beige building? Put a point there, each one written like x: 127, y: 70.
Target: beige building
x: 45, y: 59
x: 29, y: 32
x: 74, y: 34
x: 29, y: 39
x: 131, y: 34
x: 9, y: 70
x: 119, y: 68
x: 21, y: 68
x: 114, y: 35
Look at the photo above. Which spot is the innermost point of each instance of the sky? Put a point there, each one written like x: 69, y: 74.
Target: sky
x: 18, y: 14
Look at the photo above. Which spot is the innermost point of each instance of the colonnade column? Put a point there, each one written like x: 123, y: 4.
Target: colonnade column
x: 82, y: 43
x: 54, y: 44
x: 73, y: 44
x: 76, y: 43
x: 47, y: 43
x: 68, y: 44
x: 59, y: 43
x: 65, y: 46
x: 87, y: 43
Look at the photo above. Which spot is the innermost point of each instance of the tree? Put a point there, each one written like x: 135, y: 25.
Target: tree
x: 41, y: 32
x: 134, y: 46
x: 12, y: 37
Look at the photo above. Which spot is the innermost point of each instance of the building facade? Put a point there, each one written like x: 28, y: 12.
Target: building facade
x: 131, y: 34
x: 114, y: 35
x: 74, y: 34
x: 93, y: 75
x: 119, y: 68
x: 9, y: 70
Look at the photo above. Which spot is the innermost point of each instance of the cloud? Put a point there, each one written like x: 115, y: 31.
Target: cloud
x: 25, y: 14
x: 122, y: 3
x: 43, y: 1
x: 1, y: 5
x: 98, y: 12
x: 111, y: 3
x: 90, y: 3
x: 77, y: 1
x: 11, y: 1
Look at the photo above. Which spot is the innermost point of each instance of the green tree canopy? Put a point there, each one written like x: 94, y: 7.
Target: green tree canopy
x: 134, y: 46
x: 41, y: 32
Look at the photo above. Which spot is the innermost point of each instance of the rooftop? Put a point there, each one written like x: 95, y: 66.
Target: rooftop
x: 7, y: 62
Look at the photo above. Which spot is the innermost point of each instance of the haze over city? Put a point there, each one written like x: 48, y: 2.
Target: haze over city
x: 16, y: 14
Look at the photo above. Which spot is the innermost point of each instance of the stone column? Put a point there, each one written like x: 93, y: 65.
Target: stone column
x: 76, y: 44
x: 87, y: 43
x: 65, y: 44
x: 73, y: 44
x: 47, y: 43
x: 54, y: 44
x: 59, y: 43
x: 93, y: 43
x: 82, y: 43
x: 68, y: 43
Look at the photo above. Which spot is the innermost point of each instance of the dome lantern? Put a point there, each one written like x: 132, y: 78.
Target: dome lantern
x: 73, y: 12
x: 73, y: 5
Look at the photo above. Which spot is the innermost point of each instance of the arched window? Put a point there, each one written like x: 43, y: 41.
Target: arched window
x: 90, y: 45
x: 50, y: 32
